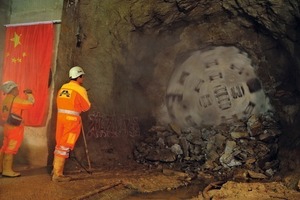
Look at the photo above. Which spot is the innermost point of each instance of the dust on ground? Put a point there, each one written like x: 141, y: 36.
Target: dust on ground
x: 251, y: 191
x: 131, y: 183
x: 110, y: 183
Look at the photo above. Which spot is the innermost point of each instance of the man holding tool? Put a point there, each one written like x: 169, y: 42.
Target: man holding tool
x: 11, y: 114
x: 72, y: 99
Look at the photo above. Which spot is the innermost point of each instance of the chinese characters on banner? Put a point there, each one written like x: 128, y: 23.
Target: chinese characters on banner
x: 27, y: 61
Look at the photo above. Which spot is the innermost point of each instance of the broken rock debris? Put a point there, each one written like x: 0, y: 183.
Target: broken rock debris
x: 223, y: 151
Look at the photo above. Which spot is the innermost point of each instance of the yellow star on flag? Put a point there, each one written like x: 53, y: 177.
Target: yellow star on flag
x: 16, y: 39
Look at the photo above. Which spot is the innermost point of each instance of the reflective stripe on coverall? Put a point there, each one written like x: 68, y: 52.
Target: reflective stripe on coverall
x: 13, y: 135
x: 72, y: 97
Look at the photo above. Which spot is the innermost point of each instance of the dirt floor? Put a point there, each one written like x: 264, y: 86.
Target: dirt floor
x: 113, y: 183
x: 132, y: 183
x: 252, y: 191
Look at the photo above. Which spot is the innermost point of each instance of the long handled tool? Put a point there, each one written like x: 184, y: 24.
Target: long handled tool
x: 77, y: 161
x: 86, y: 148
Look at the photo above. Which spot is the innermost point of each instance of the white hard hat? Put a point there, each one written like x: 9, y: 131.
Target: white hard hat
x: 75, y: 72
x: 8, y: 86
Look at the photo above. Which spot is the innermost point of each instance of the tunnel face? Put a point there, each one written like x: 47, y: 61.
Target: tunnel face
x: 214, y: 86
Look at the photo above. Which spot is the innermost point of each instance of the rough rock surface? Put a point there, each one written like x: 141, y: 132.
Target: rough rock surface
x: 130, y: 49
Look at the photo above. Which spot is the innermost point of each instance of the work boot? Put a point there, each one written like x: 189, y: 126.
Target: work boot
x: 58, y: 168
x: 1, y: 161
x: 7, y: 166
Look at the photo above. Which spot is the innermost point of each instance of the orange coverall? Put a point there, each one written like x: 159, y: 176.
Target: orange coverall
x: 13, y: 135
x: 72, y: 99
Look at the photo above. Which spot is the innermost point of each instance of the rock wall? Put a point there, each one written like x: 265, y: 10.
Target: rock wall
x: 130, y: 50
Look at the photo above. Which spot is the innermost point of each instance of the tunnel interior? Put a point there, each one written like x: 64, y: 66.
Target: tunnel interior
x: 198, y: 86
x: 215, y: 80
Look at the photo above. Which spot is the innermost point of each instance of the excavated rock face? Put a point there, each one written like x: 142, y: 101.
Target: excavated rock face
x: 191, y: 63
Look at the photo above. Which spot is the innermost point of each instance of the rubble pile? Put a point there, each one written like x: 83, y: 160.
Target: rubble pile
x: 239, y: 150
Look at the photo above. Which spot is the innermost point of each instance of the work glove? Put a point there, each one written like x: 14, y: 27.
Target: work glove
x: 28, y: 91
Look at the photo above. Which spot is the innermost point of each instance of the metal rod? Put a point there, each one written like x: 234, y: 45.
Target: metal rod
x: 74, y: 158
x: 86, y: 148
x: 34, y: 23
x: 97, y: 191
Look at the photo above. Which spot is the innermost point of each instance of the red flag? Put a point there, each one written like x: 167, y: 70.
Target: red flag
x: 27, y: 61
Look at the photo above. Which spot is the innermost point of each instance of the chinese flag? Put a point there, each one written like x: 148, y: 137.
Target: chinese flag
x: 27, y: 61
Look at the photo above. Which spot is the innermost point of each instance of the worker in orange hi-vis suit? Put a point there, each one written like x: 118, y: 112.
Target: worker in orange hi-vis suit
x: 13, y: 130
x: 72, y: 99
